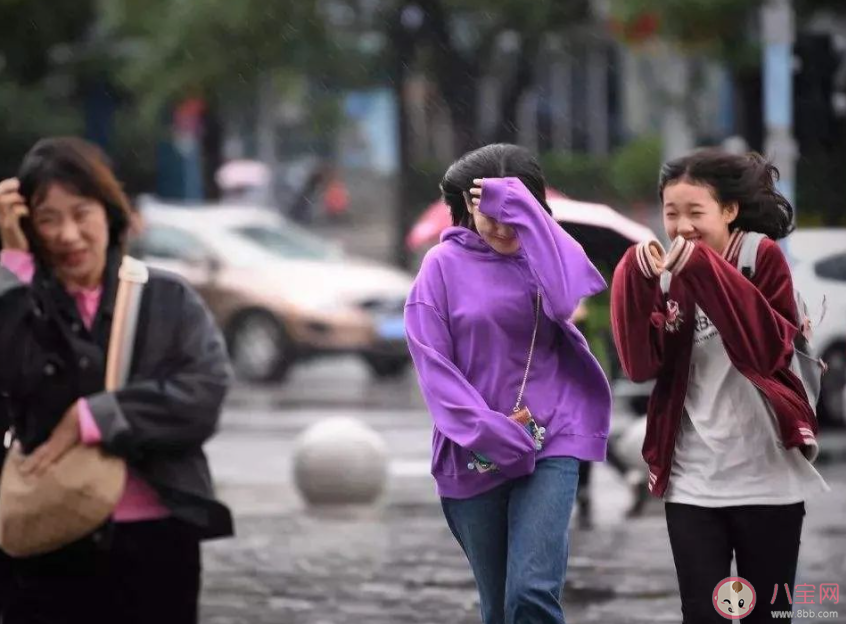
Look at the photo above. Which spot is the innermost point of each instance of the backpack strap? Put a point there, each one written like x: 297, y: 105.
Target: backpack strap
x: 748, y: 254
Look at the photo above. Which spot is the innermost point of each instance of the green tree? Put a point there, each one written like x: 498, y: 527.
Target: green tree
x: 211, y: 48
x: 38, y: 95
x: 216, y: 50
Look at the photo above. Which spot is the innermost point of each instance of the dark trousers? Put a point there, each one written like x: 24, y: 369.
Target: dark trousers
x: 127, y: 572
x: 765, y: 540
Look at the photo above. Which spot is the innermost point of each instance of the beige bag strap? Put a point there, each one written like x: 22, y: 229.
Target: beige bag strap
x: 133, y: 274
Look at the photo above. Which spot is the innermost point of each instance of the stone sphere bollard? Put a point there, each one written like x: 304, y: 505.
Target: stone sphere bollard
x: 340, y: 461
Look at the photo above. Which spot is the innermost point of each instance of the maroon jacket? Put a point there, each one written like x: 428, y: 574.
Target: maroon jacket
x: 756, y: 319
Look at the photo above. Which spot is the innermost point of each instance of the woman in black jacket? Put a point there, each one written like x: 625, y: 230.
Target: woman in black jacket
x: 63, y: 224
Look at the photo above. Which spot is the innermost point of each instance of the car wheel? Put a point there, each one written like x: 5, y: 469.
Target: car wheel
x: 259, y: 348
x: 387, y: 366
x: 833, y: 389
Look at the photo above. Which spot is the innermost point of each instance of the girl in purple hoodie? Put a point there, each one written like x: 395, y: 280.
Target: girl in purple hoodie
x: 516, y: 397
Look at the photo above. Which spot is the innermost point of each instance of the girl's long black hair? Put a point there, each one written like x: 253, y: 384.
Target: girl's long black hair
x: 498, y: 160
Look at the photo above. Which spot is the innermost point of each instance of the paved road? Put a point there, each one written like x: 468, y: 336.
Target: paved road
x: 397, y: 562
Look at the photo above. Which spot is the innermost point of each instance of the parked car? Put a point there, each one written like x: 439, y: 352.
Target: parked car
x: 818, y: 258
x: 278, y: 292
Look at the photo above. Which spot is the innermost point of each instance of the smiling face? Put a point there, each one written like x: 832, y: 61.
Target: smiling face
x: 74, y: 232
x: 502, y: 238
x: 692, y: 211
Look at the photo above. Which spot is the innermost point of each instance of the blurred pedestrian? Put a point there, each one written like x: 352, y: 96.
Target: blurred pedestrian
x: 63, y: 223
x: 336, y: 197
x: 516, y: 397
x: 302, y: 209
x: 730, y: 431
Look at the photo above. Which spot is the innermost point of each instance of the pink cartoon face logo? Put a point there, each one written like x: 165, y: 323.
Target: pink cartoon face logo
x: 734, y: 598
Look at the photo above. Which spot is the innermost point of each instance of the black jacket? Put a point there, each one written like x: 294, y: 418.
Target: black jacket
x: 170, y: 405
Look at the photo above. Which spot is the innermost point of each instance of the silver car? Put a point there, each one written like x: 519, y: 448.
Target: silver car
x: 278, y: 292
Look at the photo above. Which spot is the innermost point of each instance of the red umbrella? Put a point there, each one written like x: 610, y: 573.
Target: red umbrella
x: 604, y: 233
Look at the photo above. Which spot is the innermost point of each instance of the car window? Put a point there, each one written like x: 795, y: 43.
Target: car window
x: 833, y: 268
x: 171, y: 243
x: 286, y: 243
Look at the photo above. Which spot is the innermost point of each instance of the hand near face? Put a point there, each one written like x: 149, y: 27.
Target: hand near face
x: 476, y: 192
x: 499, y: 236
x: 12, y: 209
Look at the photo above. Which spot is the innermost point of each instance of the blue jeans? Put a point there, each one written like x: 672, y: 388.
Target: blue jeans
x: 516, y: 540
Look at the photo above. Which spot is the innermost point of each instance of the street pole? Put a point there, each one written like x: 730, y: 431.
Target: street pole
x: 404, y: 31
x: 677, y: 132
x: 778, y: 28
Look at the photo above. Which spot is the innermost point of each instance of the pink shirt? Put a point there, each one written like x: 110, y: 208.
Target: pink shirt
x: 139, y: 501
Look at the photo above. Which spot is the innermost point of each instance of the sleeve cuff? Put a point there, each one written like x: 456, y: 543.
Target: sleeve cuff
x: 111, y: 422
x: 21, y: 263
x: 679, y: 254
x: 524, y: 466
x: 645, y: 261
x: 88, y: 429
x: 494, y: 194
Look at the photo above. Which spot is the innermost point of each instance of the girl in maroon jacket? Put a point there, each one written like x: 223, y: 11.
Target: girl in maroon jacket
x: 730, y: 434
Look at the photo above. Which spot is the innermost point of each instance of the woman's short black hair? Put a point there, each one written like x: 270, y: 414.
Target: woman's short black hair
x: 746, y: 179
x: 82, y: 168
x: 499, y: 160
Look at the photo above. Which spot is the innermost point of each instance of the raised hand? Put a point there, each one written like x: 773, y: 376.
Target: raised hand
x: 476, y: 192
x: 12, y: 209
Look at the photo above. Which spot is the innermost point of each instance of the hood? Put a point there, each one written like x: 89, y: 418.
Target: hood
x: 468, y: 239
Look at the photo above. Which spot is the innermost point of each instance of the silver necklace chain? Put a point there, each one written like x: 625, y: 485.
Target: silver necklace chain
x: 531, y: 353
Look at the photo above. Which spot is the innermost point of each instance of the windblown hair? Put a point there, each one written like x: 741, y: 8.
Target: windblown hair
x: 746, y: 179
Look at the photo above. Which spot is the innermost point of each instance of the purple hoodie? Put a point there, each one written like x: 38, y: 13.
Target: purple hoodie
x: 469, y: 321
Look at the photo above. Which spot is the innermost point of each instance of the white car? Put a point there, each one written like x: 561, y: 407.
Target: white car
x: 818, y: 262
x: 278, y: 292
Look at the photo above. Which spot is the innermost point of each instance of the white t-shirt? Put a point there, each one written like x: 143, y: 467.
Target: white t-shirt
x: 728, y: 450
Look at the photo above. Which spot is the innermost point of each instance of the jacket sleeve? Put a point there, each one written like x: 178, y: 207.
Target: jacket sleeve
x: 458, y: 410
x: 756, y: 321
x: 178, y: 409
x: 637, y: 317
x: 563, y: 270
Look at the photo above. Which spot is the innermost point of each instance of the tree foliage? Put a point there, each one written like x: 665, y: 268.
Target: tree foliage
x: 38, y: 94
x: 212, y: 48
x: 720, y: 28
